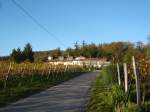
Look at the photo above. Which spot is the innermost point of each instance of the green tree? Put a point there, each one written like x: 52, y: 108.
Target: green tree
x: 28, y: 54
x: 16, y: 55
x: 56, y: 53
x: 70, y: 52
x: 77, y: 49
x: 83, y: 48
x: 92, y: 51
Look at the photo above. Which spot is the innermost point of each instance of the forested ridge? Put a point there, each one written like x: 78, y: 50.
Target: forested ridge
x: 120, y: 51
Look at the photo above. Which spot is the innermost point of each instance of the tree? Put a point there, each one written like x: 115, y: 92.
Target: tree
x: 140, y: 46
x: 101, y: 52
x: 56, y: 53
x: 16, y: 55
x: 70, y: 52
x: 83, y: 48
x: 83, y: 44
x: 76, y: 45
x: 92, y: 51
x: 28, y: 54
x: 77, y: 49
x: 147, y: 52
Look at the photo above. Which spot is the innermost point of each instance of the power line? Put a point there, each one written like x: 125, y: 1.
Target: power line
x: 37, y: 22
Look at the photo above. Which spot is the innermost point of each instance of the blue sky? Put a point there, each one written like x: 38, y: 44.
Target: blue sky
x: 95, y: 21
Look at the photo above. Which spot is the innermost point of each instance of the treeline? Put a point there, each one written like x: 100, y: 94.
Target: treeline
x: 20, y: 56
x: 115, y: 51
x: 4, y: 58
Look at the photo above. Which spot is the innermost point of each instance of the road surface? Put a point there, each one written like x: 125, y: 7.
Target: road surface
x: 70, y: 96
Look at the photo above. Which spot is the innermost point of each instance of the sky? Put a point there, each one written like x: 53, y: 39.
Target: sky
x: 97, y: 21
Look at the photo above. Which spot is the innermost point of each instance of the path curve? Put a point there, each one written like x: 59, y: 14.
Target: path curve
x: 70, y: 96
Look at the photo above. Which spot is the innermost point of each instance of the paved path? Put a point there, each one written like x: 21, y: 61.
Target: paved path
x: 70, y: 96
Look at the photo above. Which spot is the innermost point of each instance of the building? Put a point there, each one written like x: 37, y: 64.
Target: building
x: 80, y: 58
x: 50, y: 58
x: 61, y: 58
x: 81, y: 61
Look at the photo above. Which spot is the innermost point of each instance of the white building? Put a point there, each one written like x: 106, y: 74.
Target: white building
x: 81, y: 61
x: 50, y: 58
x: 80, y: 58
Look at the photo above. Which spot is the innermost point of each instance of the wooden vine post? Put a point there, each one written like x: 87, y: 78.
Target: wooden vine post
x: 49, y: 72
x: 118, y: 71
x: 7, y: 74
x: 125, y: 76
x: 137, y: 80
x: 66, y: 67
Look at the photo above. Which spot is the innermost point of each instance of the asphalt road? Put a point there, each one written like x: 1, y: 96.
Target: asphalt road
x: 70, y: 96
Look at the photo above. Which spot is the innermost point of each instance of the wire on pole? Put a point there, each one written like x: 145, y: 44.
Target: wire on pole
x: 37, y: 22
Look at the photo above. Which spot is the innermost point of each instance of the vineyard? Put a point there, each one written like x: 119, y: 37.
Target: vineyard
x: 21, y: 80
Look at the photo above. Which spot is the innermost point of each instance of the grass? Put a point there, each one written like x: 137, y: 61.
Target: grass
x: 108, y: 96
x: 103, y: 94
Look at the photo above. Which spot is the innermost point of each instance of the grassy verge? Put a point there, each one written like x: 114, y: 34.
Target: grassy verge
x: 18, y: 88
x: 105, y: 93
x: 107, y: 96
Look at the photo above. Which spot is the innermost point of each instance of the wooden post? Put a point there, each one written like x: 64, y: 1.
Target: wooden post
x: 125, y: 77
x: 55, y: 68
x: 6, y: 77
x: 66, y: 68
x: 9, y: 69
x: 49, y: 72
x: 118, y: 70
x: 34, y: 69
x: 136, y: 73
